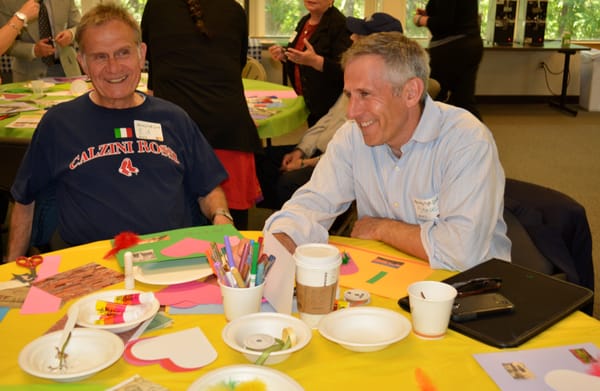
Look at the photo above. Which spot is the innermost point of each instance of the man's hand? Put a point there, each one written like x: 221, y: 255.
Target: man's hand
x: 64, y: 38
x: 31, y: 8
x: 43, y: 48
x: 366, y: 228
x: 292, y: 161
x: 405, y: 237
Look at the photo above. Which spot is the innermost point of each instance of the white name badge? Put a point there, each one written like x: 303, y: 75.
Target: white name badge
x: 427, y: 209
x: 148, y: 130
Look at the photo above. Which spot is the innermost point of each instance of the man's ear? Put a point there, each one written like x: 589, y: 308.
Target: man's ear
x: 413, y: 90
x: 82, y: 63
x: 142, y: 54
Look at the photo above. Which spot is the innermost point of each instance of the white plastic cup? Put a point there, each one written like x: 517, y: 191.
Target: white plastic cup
x: 37, y: 86
x: 317, y: 275
x: 241, y: 301
x: 430, y: 307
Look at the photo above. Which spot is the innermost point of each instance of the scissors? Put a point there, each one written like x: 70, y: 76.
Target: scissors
x: 30, y: 263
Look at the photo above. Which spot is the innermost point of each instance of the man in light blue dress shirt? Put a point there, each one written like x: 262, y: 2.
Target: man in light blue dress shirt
x: 425, y: 175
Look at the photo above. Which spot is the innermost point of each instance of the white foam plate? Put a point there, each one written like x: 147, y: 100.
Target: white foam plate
x: 171, y: 272
x: 273, y: 380
x: 89, y: 351
x: 364, y: 329
x: 87, y: 309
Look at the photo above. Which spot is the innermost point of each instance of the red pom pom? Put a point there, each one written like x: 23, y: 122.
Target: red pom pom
x: 122, y: 241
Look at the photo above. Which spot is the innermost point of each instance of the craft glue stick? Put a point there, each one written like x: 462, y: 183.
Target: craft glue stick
x: 107, y: 307
x: 129, y: 280
x: 135, y: 298
x: 116, y: 318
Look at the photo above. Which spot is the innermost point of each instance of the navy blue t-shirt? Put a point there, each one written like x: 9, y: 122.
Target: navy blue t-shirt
x: 129, y: 169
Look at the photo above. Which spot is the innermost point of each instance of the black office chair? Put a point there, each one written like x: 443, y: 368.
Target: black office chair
x: 558, y: 227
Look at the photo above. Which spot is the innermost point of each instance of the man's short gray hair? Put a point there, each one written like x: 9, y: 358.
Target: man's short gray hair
x: 404, y: 58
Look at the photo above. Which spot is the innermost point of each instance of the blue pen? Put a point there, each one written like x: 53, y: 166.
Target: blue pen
x: 260, y: 273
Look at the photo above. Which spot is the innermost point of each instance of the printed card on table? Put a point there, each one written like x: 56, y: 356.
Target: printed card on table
x: 562, y: 368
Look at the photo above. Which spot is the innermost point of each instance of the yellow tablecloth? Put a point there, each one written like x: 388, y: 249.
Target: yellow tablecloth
x: 288, y: 118
x: 322, y: 365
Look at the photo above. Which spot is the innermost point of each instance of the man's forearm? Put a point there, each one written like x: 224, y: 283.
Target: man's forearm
x: 213, y: 202
x: 286, y: 241
x: 20, y: 230
x: 405, y: 237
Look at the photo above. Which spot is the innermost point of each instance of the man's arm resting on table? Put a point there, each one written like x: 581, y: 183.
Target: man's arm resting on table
x: 286, y: 241
x: 405, y: 237
x: 20, y: 230
x: 214, y: 206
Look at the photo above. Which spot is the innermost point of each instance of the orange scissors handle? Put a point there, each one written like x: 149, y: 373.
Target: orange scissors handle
x: 30, y: 263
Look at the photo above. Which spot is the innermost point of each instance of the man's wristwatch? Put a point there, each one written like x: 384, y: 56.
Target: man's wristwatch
x: 222, y: 212
x: 22, y: 17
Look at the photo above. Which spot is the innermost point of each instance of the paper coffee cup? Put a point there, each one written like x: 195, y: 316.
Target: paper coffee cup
x: 317, y: 275
x: 430, y: 307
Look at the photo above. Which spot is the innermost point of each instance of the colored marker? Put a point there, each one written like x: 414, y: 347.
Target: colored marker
x: 254, y: 267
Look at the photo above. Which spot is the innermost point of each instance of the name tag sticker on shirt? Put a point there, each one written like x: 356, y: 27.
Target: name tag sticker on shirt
x: 148, y: 130
x: 427, y: 209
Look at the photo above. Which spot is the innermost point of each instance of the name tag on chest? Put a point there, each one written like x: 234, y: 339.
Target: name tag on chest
x: 148, y: 130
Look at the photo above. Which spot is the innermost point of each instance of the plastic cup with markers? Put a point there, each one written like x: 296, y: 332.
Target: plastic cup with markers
x: 242, y: 281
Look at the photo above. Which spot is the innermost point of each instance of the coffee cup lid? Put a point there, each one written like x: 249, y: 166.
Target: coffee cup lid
x: 317, y: 254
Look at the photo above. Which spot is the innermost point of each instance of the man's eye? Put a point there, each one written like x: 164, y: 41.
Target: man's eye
x: 122, y: 54
x: 99, y: 57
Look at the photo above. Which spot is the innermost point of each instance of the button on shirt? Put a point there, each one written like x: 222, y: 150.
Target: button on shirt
x: 449, y: 181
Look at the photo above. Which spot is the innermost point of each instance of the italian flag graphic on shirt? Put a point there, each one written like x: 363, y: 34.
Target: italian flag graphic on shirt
x: 123, y: 133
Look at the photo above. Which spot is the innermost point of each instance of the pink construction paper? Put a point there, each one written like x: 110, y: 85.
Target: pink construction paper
x: 39, y: 301
x: 350, y: 268
x: 190, y: 294
x: 49, y: 267
x: 185, y: 247
x: 283, y: 94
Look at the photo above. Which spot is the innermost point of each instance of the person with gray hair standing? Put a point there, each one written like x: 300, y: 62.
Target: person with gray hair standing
x: 425, y: 175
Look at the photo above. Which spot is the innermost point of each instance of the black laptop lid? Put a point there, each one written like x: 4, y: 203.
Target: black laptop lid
x: 540, y: 301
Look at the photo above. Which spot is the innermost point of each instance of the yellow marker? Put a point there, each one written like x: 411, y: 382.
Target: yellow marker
x: 238, y: 277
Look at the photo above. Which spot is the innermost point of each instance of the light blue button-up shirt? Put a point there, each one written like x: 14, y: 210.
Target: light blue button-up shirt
x: 449, y: 181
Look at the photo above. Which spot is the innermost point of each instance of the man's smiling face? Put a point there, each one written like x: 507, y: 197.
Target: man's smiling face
x: 113, y: 61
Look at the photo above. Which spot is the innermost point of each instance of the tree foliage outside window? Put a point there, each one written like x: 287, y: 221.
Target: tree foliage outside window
x: 283, y: 15
x: 579, y: 17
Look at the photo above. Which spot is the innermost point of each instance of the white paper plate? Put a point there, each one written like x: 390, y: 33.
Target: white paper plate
x: 89, y: 351
x: 273, y: 380
x: 87, y: 308
x: 171, y: 272
x: 364, y: 329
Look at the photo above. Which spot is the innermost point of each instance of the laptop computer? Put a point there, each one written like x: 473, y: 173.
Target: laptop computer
x: 539, y: 301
